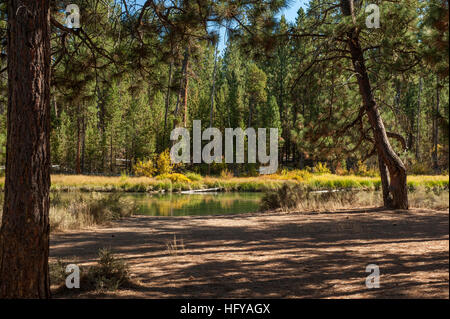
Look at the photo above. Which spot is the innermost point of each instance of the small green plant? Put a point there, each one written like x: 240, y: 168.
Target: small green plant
x: 57, y: 273
x: 111, y: 273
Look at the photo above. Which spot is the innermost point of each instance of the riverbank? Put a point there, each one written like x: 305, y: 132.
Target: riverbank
x: 87, y: 183
x: 80, y: 210
x: 271, y: 255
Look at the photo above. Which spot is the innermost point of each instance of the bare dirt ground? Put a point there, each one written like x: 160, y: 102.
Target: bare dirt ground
x: 274, y: 255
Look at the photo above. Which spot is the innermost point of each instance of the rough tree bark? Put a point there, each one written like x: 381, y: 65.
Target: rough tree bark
x: 397, y: 171
x: 387, y: 199
x: 24, y: 235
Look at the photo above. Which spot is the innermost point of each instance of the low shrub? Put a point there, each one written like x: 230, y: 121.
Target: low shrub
x: 144, y: 168
x: 194, y: 176
x: 420, y: 169
x: 362, y: 170
x: 110, y: 273
x: 174, y: 178
x: 164, y: 163
x: 321, y: 168
x: 57, y: 272
x: 225, y: 173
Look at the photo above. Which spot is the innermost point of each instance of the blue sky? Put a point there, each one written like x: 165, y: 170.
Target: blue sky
x: 290, y: 12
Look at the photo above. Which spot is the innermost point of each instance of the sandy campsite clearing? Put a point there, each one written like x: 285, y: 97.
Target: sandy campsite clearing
x: 273, y: 255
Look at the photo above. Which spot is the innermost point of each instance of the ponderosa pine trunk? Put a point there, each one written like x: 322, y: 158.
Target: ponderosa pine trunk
x: 24, y: 235
x: 387, y: 199
x: 397, y: 171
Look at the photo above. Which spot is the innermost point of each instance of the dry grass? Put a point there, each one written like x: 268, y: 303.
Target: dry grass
x: 309, y: 180
x: 88, y: 211
x: 261, y: 183
x: 297, y: 198
x: 175, y: 247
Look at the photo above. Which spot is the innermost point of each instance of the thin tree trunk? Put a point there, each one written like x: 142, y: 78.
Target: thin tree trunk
x: 169, y: 83
x: 185, y: 95
x: 397, y: 170
x: 436, y: 129
x: 101, y: 126
x: 213, y: 90
x: 24, y: 235
x: 77, y: 158
x: 250, y: 114
x: 418, y: 121
x: 111, y: 163
x: 182, y: 90
x: 213, y: 93
x: 55, y: 106
x: 83, y: 142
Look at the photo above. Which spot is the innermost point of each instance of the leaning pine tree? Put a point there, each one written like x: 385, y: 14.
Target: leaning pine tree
x: 24, y: 235
x: 334, y: 34
x: 387, y: 156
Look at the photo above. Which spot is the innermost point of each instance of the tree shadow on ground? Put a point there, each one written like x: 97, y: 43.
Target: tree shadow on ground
x: 275, y: 255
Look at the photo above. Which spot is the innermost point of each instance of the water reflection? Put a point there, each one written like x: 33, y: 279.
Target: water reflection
x: 196, y: 204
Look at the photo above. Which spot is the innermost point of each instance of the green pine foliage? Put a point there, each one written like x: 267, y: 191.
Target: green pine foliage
x: 120, y: 86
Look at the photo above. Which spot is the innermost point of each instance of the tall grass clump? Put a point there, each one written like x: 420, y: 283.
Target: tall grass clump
x: 321, y: 168
x: 87, y: 211
x: 286, y: 197
x: 174, y: 177
x: 431, y: 198
x: 299, y: 197
x: 175, y: 246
